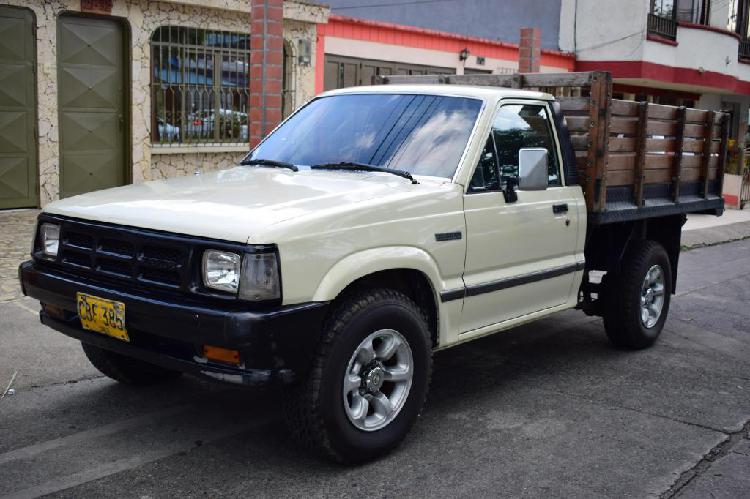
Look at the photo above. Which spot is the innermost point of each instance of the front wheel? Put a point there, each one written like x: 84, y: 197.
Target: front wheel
x: 637, y: 299
x: 369, y: 379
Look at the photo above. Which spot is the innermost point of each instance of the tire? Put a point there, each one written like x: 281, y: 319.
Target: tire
x: 624, y: 323
x: 324, y: 413
x: 127, y: 370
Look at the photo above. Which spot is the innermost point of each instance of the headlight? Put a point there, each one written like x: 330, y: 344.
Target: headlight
x: 50, y: 236
x: 221, y: 270
x: 253, y: 277
x: 260, y: 277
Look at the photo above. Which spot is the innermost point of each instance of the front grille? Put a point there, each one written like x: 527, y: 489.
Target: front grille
x: 125, y: 254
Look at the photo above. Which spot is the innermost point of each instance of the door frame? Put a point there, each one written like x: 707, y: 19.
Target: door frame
x: 34, y: 170
x: 527, y: 278
x: 127, y: 112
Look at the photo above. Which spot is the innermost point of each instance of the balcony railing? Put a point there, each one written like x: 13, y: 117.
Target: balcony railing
x: 662, y: 26
x: 745, y: 49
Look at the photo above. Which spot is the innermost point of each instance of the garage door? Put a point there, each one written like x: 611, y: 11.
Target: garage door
x: 91, y: 84
x: 18, y: 149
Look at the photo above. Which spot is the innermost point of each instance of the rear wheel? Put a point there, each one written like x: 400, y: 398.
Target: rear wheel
x: 126, y: 369
x: 637, y: 299
x: 369, y: 379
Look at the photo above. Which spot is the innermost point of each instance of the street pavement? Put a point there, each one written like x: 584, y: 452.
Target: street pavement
x: 544, y: 410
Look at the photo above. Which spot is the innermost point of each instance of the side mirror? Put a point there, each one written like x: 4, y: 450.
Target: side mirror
x: 533, y: 169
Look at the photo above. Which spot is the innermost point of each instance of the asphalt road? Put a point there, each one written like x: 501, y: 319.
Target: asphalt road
x: 549, y: 409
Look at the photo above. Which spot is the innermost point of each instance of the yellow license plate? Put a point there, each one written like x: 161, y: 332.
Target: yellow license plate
x: 102, y: 316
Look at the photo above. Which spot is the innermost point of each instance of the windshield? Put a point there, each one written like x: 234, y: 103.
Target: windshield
x: 420, y: 134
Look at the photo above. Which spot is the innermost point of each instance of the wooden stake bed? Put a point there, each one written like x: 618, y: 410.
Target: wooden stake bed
x: 634, y: 160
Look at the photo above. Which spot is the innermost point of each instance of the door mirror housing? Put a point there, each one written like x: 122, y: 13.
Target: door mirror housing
x: 533, y: 169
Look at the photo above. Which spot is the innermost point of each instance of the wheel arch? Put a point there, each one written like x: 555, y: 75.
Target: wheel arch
x: 409, y: 270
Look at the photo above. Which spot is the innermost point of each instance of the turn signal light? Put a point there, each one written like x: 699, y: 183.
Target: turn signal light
x: 219, y: 354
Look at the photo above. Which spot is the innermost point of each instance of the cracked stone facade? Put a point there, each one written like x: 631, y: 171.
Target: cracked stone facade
x: 142, y: 17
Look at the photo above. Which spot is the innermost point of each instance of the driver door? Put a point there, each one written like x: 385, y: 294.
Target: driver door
x: 522, y: 256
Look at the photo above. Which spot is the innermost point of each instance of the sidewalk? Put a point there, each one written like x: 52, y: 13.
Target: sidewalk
x: 17, y: 229
x: 707, y: 230
x: 16, y: 232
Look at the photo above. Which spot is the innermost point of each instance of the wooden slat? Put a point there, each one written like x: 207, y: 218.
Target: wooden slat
x: 658, y: 176
x: 639, y: 167
x: 666, y: 128
x: 678, y: 156
x: 617, y: 144
x: 659, y: 162
x: 695, y: 131
x: 692, y: 145
x: 624, y: 108
x: 580, y: 141
x: 692, y: 161
x: 578, y: 124
x: 660, y: 145
x: 619, y: 177
x: 628, y: 126
x: 660, y: 112
x: 558, y: 79
x: 690, y: 174
x: 621, y: 161
x: 696, y: 116
x: 574, y: 104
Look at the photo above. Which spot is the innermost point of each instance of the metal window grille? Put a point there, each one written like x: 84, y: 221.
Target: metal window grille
x: 199, y: 86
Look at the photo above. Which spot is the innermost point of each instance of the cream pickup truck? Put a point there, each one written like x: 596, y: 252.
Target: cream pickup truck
x: 375, y: 226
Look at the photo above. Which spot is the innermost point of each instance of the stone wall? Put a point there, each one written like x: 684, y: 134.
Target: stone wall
x: 142, y: 17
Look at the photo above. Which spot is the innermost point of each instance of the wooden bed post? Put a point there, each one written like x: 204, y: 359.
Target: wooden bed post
x: 723, y: 150
x: 639, y: 175
x: 707, y: 144
x: 598, y: 155
x: 679, y: 146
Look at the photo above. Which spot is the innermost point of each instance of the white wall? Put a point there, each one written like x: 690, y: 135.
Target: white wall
x: 607, y: 30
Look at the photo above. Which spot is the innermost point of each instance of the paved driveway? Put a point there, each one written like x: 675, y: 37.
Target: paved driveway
x: 549, y: 409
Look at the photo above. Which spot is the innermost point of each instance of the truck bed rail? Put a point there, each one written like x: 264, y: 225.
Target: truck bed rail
x: 634, y: 159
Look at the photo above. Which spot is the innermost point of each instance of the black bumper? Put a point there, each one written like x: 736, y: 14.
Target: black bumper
x: 275, y: 344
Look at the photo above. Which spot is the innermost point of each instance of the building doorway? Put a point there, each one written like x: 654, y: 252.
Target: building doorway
x: 93, y: 104
x: 18, y: 141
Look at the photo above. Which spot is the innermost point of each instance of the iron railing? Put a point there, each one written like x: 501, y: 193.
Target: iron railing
x: 662, y: 26
x: 199, y: 86
x: 744, y: 49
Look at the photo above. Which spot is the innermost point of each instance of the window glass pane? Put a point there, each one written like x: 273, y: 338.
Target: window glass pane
x: 199, y: 85
x: 663, y: 8
x: 519, y: 126
x: 485, y: 176
x: 421, y: 134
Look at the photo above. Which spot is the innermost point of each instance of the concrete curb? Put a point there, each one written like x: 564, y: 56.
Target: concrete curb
x: 711, y: 236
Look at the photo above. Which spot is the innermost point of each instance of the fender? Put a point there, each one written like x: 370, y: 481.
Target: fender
x: 363, y: 263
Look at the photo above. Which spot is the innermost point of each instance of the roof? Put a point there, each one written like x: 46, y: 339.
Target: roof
x: 475, y: 92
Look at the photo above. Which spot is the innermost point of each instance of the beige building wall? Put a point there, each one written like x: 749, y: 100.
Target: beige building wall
x: 142, y: 17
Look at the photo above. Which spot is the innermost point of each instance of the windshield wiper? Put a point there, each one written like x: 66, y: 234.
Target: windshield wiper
x: 269, y: 162
x: 364, y: 167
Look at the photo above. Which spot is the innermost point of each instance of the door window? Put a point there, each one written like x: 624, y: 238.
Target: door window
x: 516, y: 127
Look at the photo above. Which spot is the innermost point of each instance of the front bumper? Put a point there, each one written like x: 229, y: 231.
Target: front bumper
x: 276, y: 345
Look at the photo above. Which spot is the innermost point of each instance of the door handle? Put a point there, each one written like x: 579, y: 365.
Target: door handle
x: 559, y: 208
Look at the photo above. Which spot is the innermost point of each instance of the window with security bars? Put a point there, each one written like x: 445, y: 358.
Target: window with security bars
x: 199, y: 86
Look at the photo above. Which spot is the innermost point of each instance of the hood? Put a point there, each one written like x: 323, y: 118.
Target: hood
x: 232, y: 205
